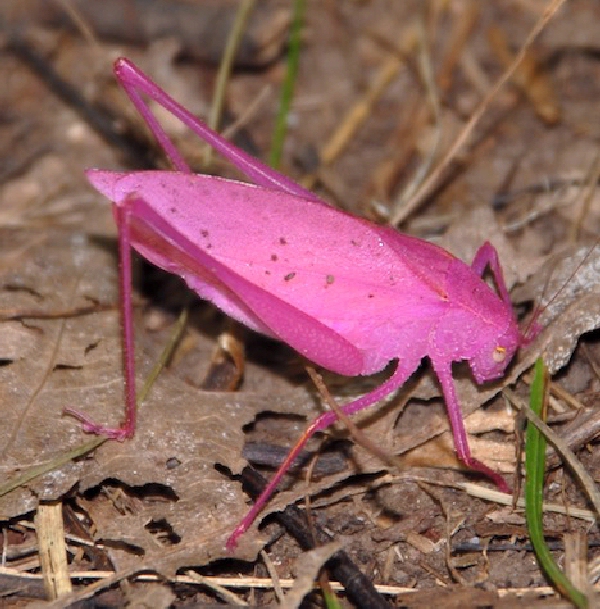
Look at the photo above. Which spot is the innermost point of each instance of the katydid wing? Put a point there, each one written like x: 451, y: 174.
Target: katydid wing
x: 346, y: 293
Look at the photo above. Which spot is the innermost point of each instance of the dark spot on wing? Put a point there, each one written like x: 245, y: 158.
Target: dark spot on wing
x: 289, y: 276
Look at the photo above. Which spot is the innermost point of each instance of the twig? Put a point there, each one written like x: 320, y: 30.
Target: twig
x: 431, y: 182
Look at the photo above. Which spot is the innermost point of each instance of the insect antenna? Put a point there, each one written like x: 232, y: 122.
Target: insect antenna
x: 533, y: 327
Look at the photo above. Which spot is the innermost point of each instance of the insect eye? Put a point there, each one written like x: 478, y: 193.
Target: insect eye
x: 499, y: 354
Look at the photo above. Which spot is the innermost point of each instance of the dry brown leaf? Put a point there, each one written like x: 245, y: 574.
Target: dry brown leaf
x: 161, y: 493
x: 182, y: 432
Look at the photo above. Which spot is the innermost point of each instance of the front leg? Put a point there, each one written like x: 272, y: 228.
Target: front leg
x: 487, y: 255
x: 461, y: 443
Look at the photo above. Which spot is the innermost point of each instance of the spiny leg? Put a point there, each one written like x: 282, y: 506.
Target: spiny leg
x: 127, y: 429
x: 461, y: 443
x: 327, y: 419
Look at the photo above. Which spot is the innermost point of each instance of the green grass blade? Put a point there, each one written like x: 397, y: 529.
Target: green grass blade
x: 287, y: 90
x: 535, y: 449
x: 331, y: 601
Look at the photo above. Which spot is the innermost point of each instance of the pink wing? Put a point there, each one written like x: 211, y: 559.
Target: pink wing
x: 346, y: 293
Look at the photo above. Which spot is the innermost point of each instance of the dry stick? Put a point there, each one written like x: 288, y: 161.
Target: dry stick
x: 25, y: 314
x: 576, y: 562
x: 433, y: 97
x: 592, y: 181
x: 519, y: 445
x: 408, y: 132
x: 221, y: 591
x: 529, y: 77
x: 309, y: 474
x: 558, y: 391
x: 462, y: 29
x: 433, y: 179
x: 435, y: 87
x: 233, y: 41
x: 481, y: 492
x: 248, y: 114
x: 272, y: 571
x: 323, y: 578
x: 561, y: 447
x: 359, y: 588
x: 361, y: 109
x: 52, y: 549
x: 79, y: 22
x: 357, y: 114
x: 356, y: 433
x: 261, y: 583
x: 579, y: 432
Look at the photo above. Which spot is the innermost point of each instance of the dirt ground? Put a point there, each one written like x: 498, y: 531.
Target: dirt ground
x: 384, y: 91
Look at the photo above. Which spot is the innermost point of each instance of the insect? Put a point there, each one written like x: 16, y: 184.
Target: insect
x: 347, y: 294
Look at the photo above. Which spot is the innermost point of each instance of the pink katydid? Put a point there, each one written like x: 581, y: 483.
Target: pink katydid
x: 347, y: 294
